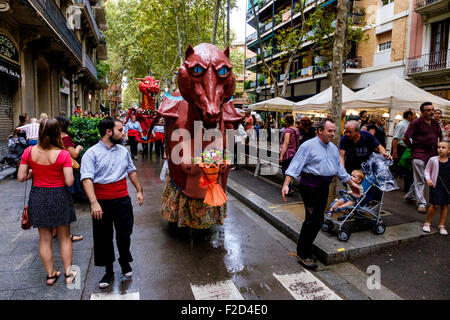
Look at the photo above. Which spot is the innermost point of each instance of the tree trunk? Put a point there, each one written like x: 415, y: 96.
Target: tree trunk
x: 179, y: 40
x: 227, y: 41
x: 215, y: 22
x: 336, y: 78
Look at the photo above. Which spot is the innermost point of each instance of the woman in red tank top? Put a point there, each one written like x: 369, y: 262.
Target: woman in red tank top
x: 50, y: 204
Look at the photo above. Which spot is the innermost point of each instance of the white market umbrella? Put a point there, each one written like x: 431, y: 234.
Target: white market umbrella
x: 392, y: 92
x: 275, y: 104
x: 320, y: 101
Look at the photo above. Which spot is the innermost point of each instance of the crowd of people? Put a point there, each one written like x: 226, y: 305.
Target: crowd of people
x: 420, y: 151
x: 305, y: 152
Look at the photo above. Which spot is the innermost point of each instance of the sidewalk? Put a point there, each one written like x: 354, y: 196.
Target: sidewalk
x: 403, y: 221
x: 22, y: 275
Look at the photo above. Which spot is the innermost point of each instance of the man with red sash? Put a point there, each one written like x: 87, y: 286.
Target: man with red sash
x: 104, y: 168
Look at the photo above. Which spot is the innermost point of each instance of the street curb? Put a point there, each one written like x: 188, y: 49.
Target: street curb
x: 6, y: 175
x: 326, y: 247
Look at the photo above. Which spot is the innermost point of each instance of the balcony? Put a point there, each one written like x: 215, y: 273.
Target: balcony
x: 57, y: 22
x: 89, y: 66
x: 100, y: 15
x: 260, y: 6
x: 430, y: 8
x: 86, y: 8
x: 102, y: 53
x: 250, y: 61
x: 433, y: 63
x: 251, y: 37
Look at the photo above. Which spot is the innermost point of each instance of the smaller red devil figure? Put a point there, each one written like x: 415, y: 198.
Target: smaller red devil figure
x: 145, y: 115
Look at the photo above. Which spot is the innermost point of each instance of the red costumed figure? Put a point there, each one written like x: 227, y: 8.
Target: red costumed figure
x: 206, y: 84
x: 145, y: 115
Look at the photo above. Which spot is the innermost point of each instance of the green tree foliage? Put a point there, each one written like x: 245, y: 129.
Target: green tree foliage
x: 146, y: 36
x: 84, y: 132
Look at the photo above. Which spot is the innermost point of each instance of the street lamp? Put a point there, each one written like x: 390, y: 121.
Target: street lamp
x: 272, y: 90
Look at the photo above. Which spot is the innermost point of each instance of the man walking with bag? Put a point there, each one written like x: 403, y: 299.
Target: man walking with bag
x: 425, y: 134
x: 104, y: 168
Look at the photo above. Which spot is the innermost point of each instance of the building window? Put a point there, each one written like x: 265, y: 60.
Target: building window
x: 386, y: 2
x: 384, y: 46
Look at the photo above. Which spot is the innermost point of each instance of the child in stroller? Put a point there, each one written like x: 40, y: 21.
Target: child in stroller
x: 350, y: 198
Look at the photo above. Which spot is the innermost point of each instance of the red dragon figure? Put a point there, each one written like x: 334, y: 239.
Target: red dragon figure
x: 206, y: 84
x: 145, y: 115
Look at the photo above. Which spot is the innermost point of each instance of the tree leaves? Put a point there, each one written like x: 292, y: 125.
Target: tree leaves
x: 142, y: 36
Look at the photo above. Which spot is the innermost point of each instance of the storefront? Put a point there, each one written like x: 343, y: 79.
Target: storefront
x: 9, y: 84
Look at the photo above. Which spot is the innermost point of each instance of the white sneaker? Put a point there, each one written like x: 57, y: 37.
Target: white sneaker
x: 426, y: 227
x: 443, y: 231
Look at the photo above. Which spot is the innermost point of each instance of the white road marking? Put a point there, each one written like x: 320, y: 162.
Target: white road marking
x: 20, y: 265
x: 115, y: 296
x: 225, y: 290
x: 305, y: 286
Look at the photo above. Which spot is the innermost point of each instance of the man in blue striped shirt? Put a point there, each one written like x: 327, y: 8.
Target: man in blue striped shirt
x: 317, y: 161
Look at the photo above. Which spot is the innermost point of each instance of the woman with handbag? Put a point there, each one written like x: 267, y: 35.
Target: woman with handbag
x: 50, y: 203
x: 290, y: 142
x: 74, y: 154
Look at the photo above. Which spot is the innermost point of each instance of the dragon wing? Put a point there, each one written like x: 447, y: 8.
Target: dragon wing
x: 169, y: 106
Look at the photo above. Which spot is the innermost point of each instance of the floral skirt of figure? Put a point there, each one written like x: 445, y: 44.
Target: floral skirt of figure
x: 193, y: 213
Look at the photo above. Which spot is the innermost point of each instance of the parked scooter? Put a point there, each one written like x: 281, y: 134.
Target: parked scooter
x: 16, y: 147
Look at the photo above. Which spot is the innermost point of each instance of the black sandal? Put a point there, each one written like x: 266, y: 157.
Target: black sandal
x: 56, y: 277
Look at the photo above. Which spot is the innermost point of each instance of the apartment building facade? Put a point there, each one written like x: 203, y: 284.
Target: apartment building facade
x: 385, y: 24
x: 428, y: 63
x: 48, y: 55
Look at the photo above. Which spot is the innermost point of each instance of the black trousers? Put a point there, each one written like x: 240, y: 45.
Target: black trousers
x: 133, y: 145
x: 118, y: 215
x: 159, y: 150
x: 144, y: 149
x: 315, y: 200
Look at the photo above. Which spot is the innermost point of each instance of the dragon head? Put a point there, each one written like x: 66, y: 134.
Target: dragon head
x: 206, y: 80
x: 149, y: 88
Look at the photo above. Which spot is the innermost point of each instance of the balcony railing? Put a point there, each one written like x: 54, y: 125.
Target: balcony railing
x: 432, y: 61
x: 251, y: 37
x: 422, y: 3
x: 55, y: 19
x: 250, y: 61
x: 88, y: 7
x: 90, y: 65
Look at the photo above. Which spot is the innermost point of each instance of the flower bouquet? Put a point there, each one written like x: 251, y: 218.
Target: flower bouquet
x: 211, y: 162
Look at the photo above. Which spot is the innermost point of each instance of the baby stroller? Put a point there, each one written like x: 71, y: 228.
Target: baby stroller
x: 367, y: 209
x: 16, y: 147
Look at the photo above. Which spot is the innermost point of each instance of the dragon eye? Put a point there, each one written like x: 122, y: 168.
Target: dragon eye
x: 198, y: 70
x: 223, y: 71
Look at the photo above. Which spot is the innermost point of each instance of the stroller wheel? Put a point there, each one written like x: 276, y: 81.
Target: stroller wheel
x: 343, y: 235
x: 379, y: 228
x: 327, y: 226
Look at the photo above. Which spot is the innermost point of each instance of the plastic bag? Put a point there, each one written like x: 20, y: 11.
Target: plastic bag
x: 378, y: 173
x: 164, y: 171
x: 405, y: 160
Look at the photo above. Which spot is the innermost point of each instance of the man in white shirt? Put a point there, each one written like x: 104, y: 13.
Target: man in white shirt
x: 399, y: 147
x: 32, y: 131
